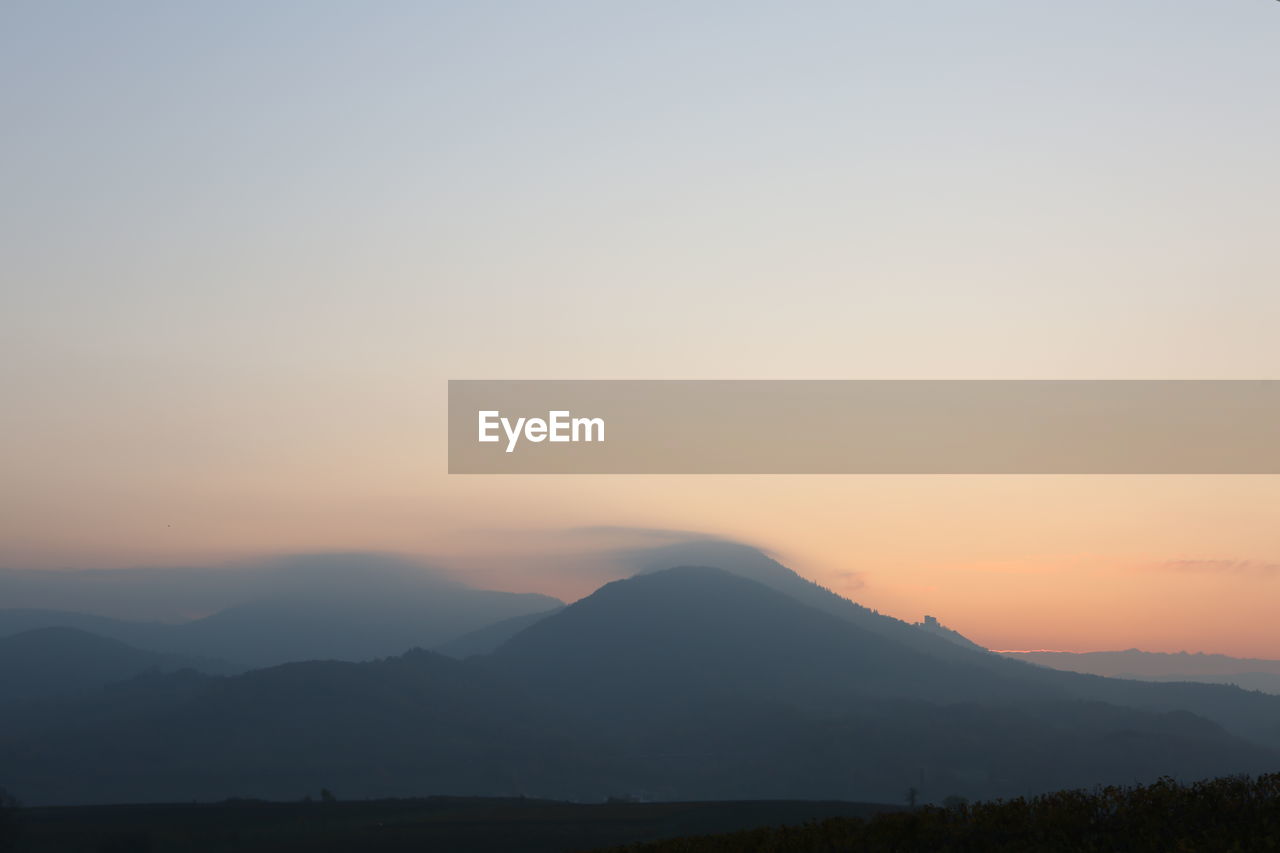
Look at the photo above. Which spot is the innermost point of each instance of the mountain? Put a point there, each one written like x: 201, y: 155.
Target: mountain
x: 697, y: 626
x: 416, y: 724
x: 159, y: 594
x: 933, y: 626
x: 486, y: 640
x: 1247, y: 673
x: 1246, y: 714
x: 55, y: 661
x: 688, y: 683
x: 1262, y: 682
x: 382, y: 620
x: 146, y: 635
x: 327, y: 606
x: 753, y: 564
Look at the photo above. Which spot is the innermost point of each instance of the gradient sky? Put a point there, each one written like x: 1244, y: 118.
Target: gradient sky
x: 244, y: 246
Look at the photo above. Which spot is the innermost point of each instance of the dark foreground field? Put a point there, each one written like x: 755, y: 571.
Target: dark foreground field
x: 1217, y: 816
x: 1236, y: 815
x: 444, y: 824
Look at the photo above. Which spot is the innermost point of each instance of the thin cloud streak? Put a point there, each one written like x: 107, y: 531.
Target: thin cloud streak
x: 1239, y: 567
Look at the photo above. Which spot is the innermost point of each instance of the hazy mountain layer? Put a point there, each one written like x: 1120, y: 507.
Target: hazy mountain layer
x: 1248, y: 673
x: 688, y: 683
x: 1250, y: 716
x: 332, y: 606
x: 53, y: 661
x: 488, y: 639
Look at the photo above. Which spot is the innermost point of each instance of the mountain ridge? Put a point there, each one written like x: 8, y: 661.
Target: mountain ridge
x: 347, y: 606
x: 685, y: 684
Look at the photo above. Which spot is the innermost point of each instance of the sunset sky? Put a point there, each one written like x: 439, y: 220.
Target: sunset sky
x: 244, y: 246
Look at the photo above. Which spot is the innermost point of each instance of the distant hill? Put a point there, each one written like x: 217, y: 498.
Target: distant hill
x: 388, y: 620
x: 328, y: 606
x: 487, y: 639
x: 145, y: 635
x: 689, y: 683
x: 56, y: 661
x: 1247, y: 673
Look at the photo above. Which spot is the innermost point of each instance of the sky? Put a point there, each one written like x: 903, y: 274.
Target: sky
x: 244, y: 246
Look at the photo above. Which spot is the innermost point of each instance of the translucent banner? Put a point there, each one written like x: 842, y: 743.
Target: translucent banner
x: 863, y: 427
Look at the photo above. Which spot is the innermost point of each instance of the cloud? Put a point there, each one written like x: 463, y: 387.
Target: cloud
x: 660, y: 534
x: 1235, y: 567
x: 849, y: 581
x: 574, y: 561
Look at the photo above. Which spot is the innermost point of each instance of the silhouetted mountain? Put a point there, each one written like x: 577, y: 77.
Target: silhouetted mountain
x: 681, y: 684
x: 53, y: 661
x: 691, y: 628
x: 753, y: 564
x: 417, y: 723
x: 933, y: 626
x: 329, y: 606
x: 144, y: 635
x: 487, y: 639
x: 136, y: 595
x: 1262, y: 682
x: 1242, y: 713
x: 1252, y: 715
x: 355, y: 627
x: 1247, y: 673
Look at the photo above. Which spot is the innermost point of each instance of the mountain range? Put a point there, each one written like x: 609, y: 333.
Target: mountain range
x: 46, y: 662
x: 1247, y: 673
x: 729, y: 678
x: 310, y: 607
